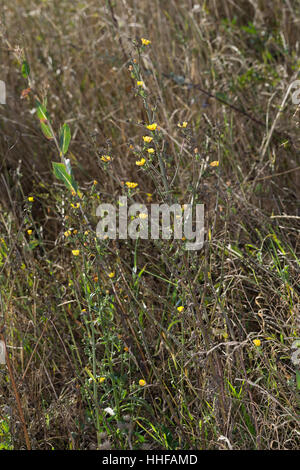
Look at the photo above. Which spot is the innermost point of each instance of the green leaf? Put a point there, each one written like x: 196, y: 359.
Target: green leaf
x: 41, y: 112
x: 64, y: 138
x: 25, y: 69
x: 46, y: 130
x: 61, y: 173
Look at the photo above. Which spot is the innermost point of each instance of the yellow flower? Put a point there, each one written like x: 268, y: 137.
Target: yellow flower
x: 257, y: 342
x: 29, y: 232
x: 31, y: 199
x: 152, y: 127
x: 75, y: 252
x: 142, y: 382
x: 75, y: 206
x: 184, y: 124
x: 95, y: 182
x: 67, y: 233
x: 105, y: 158
x: 131, y: 185
x: 140, y: 162
x: 149, y: 197
x: 151, y: 150
x: 112, y: 274
x: 215, y: 163
x: 126, y: 349
x: 180, y: 308
x: 140, y: 83
x: 101, y: 380
x: 86, y: 232
x: 145, y: 42
x: 147, y: 139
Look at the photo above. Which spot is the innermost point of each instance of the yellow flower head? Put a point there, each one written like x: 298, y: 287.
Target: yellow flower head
x: 131, y: 185
x: 75, y: 206
x: 140, y: 83
x: 257, y: 342
x: 112, y: 274
x: 152, y: 127
x: 67, y: 233
x: 147, y: 139
x: 31, y: 199
x: 184, y: 124
x: 215, y: 163
x: 145, y: 42
x: 151, y: 150
x: 142, y: 382
x: 101, y: 380
x: 149, y: 197
x: 180, y: 309
x: 29, y: 232
x: 140, y: 162
x: 106, y: 158
x: 75, y: 252
x: 95, y: 182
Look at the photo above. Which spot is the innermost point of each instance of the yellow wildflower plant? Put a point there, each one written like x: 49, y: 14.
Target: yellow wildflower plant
x: 152, y: 126
x: 131, y: 185
x: 145, y: 42
x: 257, y: 342
x: 151, y: 150
x: 180, y: 309
x: 183, y: 125
x: 111, y: 275
x: 147, y: 139
x: 31, y: 199
x: 140, y: 162
x: 140, y: 83
x: 106, y: 158
x: 215, y: 163
x: 142, y: 382
x: 29, y: 231
x: 75, y: 252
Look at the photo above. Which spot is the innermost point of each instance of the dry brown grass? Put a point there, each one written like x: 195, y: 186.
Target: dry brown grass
x: 205, y: 378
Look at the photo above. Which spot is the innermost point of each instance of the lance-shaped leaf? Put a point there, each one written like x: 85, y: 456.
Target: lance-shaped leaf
x: 62, y: 174
x: 25, y: 69
x: 46, y: 130
x: 64, y: 138
x: 41, y: 112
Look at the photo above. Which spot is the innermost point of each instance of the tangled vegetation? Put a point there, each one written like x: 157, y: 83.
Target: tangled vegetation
x: 142, y: 344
